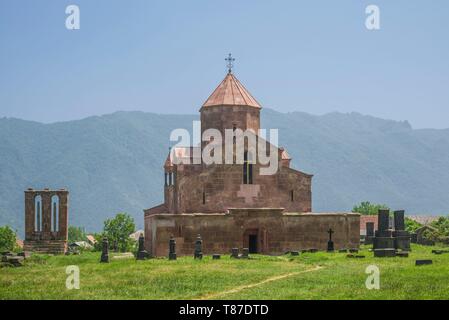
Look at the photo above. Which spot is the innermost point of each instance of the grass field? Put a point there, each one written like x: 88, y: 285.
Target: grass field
x: 309, y: 276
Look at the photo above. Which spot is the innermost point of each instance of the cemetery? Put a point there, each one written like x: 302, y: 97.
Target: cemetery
x: 302, y: 275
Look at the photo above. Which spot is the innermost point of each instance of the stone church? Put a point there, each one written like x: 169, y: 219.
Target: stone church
x: 233, y: 205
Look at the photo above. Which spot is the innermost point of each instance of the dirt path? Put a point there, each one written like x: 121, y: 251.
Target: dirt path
x: 252, y: 285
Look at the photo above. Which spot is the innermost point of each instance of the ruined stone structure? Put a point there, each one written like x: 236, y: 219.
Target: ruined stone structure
x: 46, y: 221
x: 233, y: 205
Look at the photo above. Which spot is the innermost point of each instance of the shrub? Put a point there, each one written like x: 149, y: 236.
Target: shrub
x: 117, y: 230
x: 369, y: 209
x: 7, y: 239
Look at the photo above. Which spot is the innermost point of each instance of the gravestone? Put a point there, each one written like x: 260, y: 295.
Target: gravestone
x: 369, y: 233
x: 383, y: 242
x: 198, y: 253
x: 105, y: 251
x: 235, y: 253
x: 402, y: 254
x: 172, y: 249
x: 343, y: 250
x: 216, y: 257
x: 313, y: 250
x: 294, y: 253
x: 245, y: 253
x: 423, y: 262
x: 354, y: 250
x: 402, y: 238
x: 330, y: 243
x: 142, y: 254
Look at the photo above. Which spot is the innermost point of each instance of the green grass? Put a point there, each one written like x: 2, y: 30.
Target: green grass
x: 44, y: 277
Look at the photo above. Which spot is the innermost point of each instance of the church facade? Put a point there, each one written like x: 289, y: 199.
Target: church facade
x: 233, y: 205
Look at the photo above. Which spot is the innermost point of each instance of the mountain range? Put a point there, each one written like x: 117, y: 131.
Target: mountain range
x: 113, y: 163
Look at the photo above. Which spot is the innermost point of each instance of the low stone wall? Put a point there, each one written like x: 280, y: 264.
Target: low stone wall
x: 275, y: 231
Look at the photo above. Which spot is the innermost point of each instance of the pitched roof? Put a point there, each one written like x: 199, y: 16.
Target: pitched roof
x: 231, y: 92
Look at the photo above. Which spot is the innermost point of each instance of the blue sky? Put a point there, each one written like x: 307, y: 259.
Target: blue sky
x: 168, y: 56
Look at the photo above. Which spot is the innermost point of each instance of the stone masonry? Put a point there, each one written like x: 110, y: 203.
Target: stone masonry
x: 233, y: 205
x: 46, y: 221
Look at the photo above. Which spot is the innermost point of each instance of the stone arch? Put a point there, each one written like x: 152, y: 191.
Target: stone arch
x: 38, y: 213
x: 54, y: 213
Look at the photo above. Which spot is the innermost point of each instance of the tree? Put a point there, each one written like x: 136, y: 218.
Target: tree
x: 7, y: 239
x: 412, y: 225
x: 118, y: 229
x: 369, y: 209
x: 77, y: 234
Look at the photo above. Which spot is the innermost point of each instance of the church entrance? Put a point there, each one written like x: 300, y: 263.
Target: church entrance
x: 252, y: 246
x: 251, y: 240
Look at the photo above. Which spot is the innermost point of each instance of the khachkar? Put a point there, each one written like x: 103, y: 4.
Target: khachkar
x: 369, y: 233
x: 383, y: 242
x: 46, y: 221
x: 401, y: 237
x: 142, y: 254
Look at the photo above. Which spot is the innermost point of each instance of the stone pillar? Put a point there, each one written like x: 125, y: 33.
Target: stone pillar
x: 63, y: 214
x: 105, y: 251
x: 29, y: 214
x: 46, y: 215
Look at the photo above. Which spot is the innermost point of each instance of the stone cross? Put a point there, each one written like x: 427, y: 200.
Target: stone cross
x: 249, y: 192
x: 105, y: 251
x: 198, y: 254
x: 172, y: 249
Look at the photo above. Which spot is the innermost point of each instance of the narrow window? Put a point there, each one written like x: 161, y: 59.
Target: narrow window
x: 38, y: 214
x: 166, y: 179
x: 170, y: 179
x: 234, y: 127
x: 247, y: 170
x: 204, y: 197
x: 291, y: 196
x: 55, y: 213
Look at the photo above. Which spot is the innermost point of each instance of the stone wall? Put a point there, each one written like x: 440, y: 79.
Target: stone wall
x: 223, y: 188
x: 276, y: 231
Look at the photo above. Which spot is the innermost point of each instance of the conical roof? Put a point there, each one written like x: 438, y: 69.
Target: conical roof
x: 231, y: 92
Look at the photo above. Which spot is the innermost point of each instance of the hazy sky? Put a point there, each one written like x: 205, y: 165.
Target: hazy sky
x: 168, y: 56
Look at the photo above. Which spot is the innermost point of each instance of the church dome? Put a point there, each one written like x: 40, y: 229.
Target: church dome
x: 231, y: 92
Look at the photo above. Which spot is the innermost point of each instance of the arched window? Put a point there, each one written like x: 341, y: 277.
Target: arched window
x: 38, y: 214
x: 55, y: 213
x: 247, y: 168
